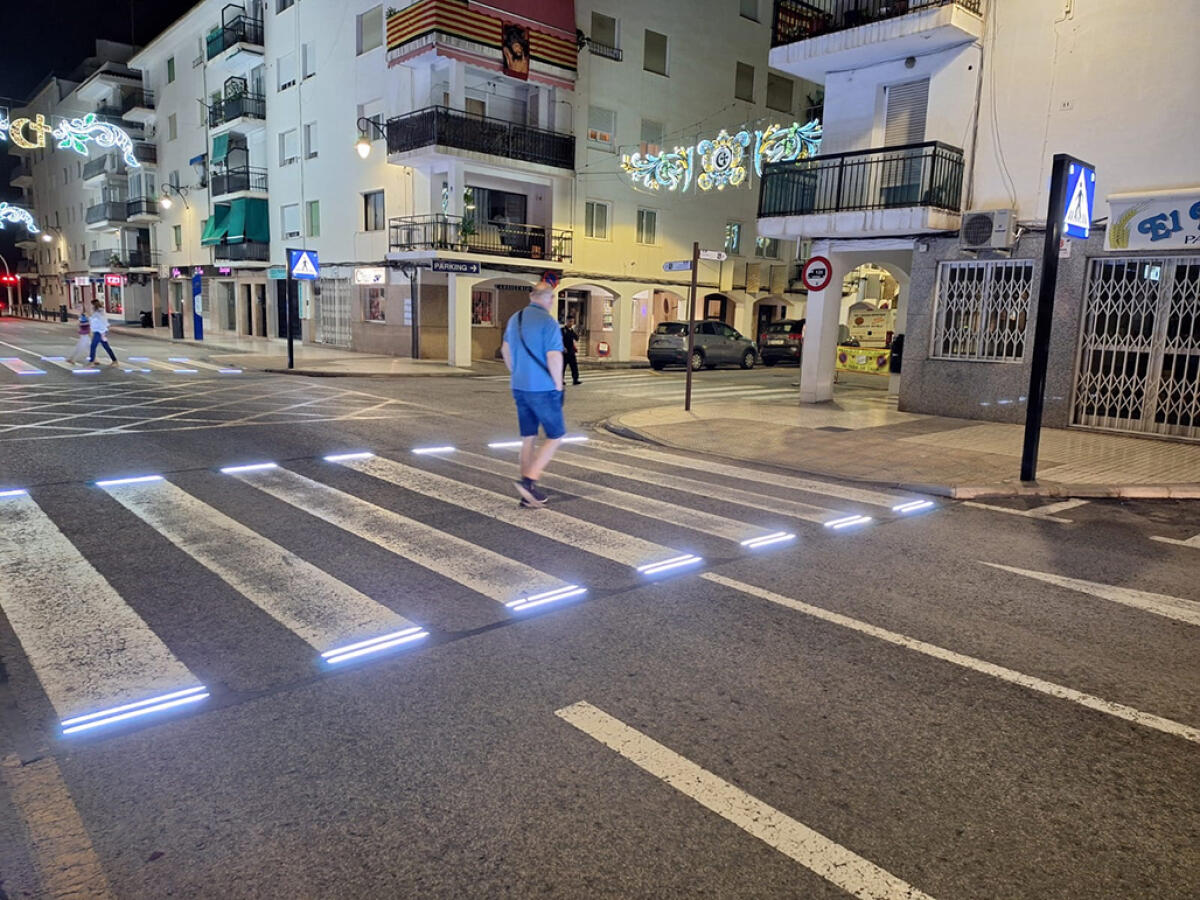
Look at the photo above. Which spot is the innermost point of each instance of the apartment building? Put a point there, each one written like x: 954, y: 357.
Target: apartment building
x: 941, y: 119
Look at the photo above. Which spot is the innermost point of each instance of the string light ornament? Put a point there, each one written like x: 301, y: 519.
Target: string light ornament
x: 17, y: 216
x: 71, y: 134
x: 722, y: 160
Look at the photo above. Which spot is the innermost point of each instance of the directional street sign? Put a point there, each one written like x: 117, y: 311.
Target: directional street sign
x: 718, y: 255
x: 1081, y: 196
x: 303, y: 264
x: 682, y: 265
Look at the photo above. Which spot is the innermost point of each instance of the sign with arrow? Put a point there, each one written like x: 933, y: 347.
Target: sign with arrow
x: 682, y: 265
x: 716, y: 255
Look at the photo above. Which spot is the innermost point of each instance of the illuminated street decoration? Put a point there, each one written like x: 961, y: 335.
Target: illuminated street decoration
x: 71, y: 134
x: 722, y: 159
x: 18, y: 216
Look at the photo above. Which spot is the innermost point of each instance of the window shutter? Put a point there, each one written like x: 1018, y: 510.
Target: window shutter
x: 904, y: 122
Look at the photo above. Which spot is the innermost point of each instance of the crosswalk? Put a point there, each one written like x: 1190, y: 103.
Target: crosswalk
x: 20, y: 364
x: 667, y: 387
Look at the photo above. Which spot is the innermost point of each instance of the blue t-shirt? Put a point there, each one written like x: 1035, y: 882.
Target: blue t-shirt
x: 542, y: 334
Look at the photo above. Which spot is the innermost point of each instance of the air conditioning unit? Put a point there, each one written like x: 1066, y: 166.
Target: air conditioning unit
x: 988, y: 229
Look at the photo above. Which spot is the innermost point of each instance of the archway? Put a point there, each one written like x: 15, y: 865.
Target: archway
x: 651, y: 308
x: 595, y: 309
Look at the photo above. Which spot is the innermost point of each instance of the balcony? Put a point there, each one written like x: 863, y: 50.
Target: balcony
x: 114, y: 259
x: 240, y: 180
x: 21, y: 176
x: 244, y: 252
x: 440, y: 127
x: 95, y: 169
x: 145, y: 152
x: 598, y: 49
x: 142, y: 209
x: 239, y: 30
x: 106, y: 216
x: 138, y: 105
x: 407, y: 234
x: 239, y: 106
x: 811, y: 38
x: 887, y: 191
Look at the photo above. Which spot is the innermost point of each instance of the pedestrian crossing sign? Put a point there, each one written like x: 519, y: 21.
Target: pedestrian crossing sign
x: 303, y: 264
x: 1081, y: 195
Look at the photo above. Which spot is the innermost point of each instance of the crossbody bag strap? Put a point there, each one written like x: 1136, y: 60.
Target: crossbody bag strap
x: 521, y: 335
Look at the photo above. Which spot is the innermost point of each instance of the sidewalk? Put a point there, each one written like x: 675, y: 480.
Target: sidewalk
x: 861, y: 436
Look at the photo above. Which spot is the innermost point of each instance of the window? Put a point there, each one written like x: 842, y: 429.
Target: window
x: 281, y: 5
x: 310, y: 140
x: 285, y: 71
x: 904, y: 121
x: 170, y: 69
x: 743, y: 84
x: 172, y: 127
x: 373, y: 298
x: 596, y: 219
x: 750, y: 10
x: 78, y: 169
x: 647, y: 225
x: 652, y: 134
x: 312, y: 217
x: 83, y: 250
x: 289, y: 220
x: 779, y: 92
x: 177, y: 236
x: 602, y: 124
x: 370, y: 30
x: 373, y: 215
x: 289, y: 147
x: 66, y: 174
x: 654, y: 53
x: 766, y: 247
x: 308, y: 59
x: 981, y: 310
x: 733, y: 238
x: 604, y: 30
x: 173, y: 178
x: 483, y: 308
x: 372, y: 111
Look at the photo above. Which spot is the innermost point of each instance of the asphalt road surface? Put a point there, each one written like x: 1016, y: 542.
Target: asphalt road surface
x: 376, y: 676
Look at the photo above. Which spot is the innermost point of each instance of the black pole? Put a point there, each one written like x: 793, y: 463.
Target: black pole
x: 287, y: 308
x: 414, y: 312
x: 1045, y: 316
x: 691, y: 344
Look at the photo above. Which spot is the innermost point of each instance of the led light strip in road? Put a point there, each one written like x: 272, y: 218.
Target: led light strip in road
x: 15, y: 492
x: 131, y: 371
x: 847, y: 521
x: 421, y: 451
x: 85, y: 371
x: 186, y: 371
x: 346, y: 457
x: 133, y: 710
x: 374, y: 645
x: 913, y: 506
x: 504, y: 445
x: 253, y: 467
x: 766, y: 540
x: 229, y: 371
x: 140, y: 479
x: 575, y: 438
x: 563, y: 593
x: 665, y: 565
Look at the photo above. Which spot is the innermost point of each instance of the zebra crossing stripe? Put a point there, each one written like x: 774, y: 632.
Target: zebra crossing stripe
x: 90, y: 650
x: 304, y: 599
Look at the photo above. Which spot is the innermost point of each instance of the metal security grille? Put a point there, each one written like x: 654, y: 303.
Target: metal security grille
x: 981, y: 310
x: 1139, y: 352
x: 331, y: 298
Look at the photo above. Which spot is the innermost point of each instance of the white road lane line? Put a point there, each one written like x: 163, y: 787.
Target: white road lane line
x: 756, y: 501
x: 19, y: 366
x: 483, y: 571
x: 1190, y: 542
x: 638, y: 504
x: 1011, y: 676
x: 304, y: 599
x: 1159, y: 604
x: 595, y: 539
x: 833, y: 862
x: 1044, y: 513
x: 808, y: 485
x: 677, y: 390
x: 89, y: 648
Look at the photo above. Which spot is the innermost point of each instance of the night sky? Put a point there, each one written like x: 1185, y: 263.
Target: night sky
x: 44, y: 36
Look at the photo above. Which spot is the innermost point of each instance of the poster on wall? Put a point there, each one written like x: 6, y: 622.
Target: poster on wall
x: 514, y: 49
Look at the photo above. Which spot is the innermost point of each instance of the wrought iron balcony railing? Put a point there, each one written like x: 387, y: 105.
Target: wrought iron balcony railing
x: 239, y: 30
x: 146, y: 152
x: 252, y: 106
x: 598, y: 49
x: 136, y: 98
x: 246, y: 251
x: 796, y: 20
x: 141, y: 206
x: 441, y: 126
x: 241, y: 179
x: 108, y: 211
x: 929, y: 174
x: 442, y: 232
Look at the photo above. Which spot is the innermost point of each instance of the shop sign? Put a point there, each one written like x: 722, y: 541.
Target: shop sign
x: 114, y: 280
x: 276, y: 273
x: 82, y: 281
x: 370, y: 275
x: 863, y: 359
x: 1159, y: 220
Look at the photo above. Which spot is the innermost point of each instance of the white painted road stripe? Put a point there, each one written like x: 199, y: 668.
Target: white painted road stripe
x: 833, y: 862
x: 1159, y: 604
x: 304, y: 599
x: 594, y: 539
x: 18, y: 365
x: 1190, y: 542
x: 1044, y: 513
x: 478, y: 568
x: 1119, y: 710
x: 89, y: 648
x: 711, y: 467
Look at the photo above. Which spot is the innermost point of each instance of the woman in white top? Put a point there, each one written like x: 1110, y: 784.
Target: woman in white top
x: 99, y: 323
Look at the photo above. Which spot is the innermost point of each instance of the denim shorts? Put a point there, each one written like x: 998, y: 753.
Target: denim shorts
x: 543, y: 408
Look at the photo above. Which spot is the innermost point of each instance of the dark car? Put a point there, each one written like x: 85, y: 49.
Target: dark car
x: 782, y: 341
x: 715, y: 344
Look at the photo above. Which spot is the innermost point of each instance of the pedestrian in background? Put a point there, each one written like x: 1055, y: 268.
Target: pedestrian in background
x: 84, y: 341
x: 533, y: 352
x: 99, y: 325
x: 570, y: 341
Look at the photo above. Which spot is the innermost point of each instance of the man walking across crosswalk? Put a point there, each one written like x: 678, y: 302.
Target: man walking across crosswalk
x: 533, y: 352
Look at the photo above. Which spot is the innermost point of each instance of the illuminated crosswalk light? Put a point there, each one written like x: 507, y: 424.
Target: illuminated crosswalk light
x: 86, y: 371
x: 229, y: 371
x: 346, y: 457
x: 15, y: 492
x: 563, y: 593
x: 913, y: 506
x: 504, y: 445
x: 178, y: 359
x: 423, y: 451
x: 574, y: 438
x: 766, y: 540
x: 32, y: 372
x: 847, y: 521
x: 139, y: 479
x: 374, y: 645
x: 54, y: 359
x: 666, y: 565
x: 138, y: 358
x: 186, y: 371
x: 253, y: 467
x: 133, y: 710
x: 131, y: 371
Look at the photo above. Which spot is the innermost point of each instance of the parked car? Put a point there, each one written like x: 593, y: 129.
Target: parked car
x: 716, y: 344
x: 782, y: 341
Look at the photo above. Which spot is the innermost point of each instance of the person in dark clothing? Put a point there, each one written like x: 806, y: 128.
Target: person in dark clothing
x: 570, y: 339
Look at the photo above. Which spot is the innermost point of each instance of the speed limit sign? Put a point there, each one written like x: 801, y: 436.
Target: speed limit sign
x: 817, y: 273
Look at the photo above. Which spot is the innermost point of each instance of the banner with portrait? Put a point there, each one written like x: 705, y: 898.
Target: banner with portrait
x: 514, y: 50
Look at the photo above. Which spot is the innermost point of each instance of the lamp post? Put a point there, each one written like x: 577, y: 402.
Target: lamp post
x: 368, y: 130
x: 181, y: 191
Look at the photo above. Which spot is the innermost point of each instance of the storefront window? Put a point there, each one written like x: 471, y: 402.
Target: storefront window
x: 483, y: 308
x: 606, y: 322
x: 373, y: 300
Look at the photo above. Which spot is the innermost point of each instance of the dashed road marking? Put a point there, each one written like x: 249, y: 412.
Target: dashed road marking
x: 1045, y: 513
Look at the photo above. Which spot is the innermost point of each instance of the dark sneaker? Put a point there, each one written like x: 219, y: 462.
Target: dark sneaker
x: 530, y: 492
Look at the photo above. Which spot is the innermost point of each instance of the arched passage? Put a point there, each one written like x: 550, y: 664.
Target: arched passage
x: 651, y: 308
x: 596, y: 309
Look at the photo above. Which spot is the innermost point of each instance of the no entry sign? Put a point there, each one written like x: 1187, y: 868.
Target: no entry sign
x: 817, y: 273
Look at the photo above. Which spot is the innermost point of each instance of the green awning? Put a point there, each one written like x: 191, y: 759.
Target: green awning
x: 216, y: 225
x: 220, y: 148
x: 258, y: 221
x: 236, y: 228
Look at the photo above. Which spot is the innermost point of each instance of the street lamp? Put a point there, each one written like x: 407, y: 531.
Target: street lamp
x: 368, y: 130
x: 165, y: 200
